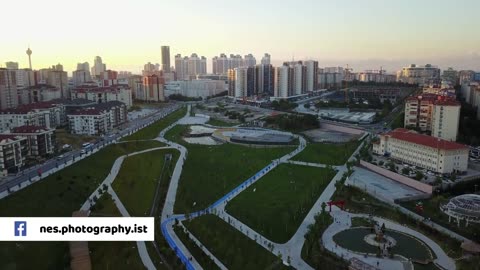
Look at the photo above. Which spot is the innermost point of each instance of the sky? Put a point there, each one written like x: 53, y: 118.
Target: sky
x: 365, y: 34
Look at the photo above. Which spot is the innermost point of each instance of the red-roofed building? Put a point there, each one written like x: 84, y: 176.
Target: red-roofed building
x: 13, y: 151
x: 423, y: 151
x: 49, y: 114
x: 433, y: 113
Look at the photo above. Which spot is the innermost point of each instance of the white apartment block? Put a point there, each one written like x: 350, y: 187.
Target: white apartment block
x: 46, y: 114
x: 119, y: 92
x: 423, y: 151
x: 281, y: 81
x: 415, y: 74
x: 195, y: 88
x: 438, y: 114
x: 89, y: 122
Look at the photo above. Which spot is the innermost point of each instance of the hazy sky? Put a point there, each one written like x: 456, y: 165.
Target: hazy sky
x: 127, y: 33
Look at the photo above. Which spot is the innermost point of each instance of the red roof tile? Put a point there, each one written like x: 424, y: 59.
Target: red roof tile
x: 410, y: 136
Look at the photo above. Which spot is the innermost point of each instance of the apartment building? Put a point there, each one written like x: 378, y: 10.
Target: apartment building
x: 416, y: 74
x: 117, y: 92
x: 13, y: 152
x: 40, y: 140
x: 439, y: 115
x: 48, y: 114
x: 434, y: 154
x: 97, y: 119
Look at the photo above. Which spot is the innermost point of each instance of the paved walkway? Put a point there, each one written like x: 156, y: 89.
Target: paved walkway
x: 343, y: 222
x: 142, y: 249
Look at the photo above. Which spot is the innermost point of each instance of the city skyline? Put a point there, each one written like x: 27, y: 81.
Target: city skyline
x: 365, y: 36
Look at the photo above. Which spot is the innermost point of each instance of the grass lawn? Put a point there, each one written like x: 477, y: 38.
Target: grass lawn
x: 220, y: 123
x: 64, y: 137
x: 152, y: 131
x: 138, y: 177
x: 58, y: 195
x: 231, y: 247
x: 212, y: 171
x: 114, y: 254
x: 312, y: 251
x: 326, y: 153
x: 361, y: 222
x: 277, y: 204
x: 202, y: 258
x: 360, y: 202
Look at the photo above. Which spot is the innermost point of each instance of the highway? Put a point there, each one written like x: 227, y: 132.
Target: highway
x: 76, y: 155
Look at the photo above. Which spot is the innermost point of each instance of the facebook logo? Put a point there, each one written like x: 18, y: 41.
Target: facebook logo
x: 20, y: 228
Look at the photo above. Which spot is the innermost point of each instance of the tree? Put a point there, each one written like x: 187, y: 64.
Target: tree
x: 406, y: 171
x: 324, y: 205
x: 419, y: 175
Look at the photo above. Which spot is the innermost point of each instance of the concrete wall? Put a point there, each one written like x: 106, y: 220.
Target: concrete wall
x: 399, y: 178
x: 341, y: 128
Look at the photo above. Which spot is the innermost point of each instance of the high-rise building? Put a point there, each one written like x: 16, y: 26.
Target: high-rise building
x: 11, y: 65
x: 152, y: 89
x: 83, y: 66
x: 266, y: 59
x: 166, y: 59
x: 244, y: 82
x: 415, y: 74
x: 59, y: 79
x: 8, y: 89
x: 188, y: 68
x: 465, y: 76
x: 312, y: 77
x: 231, y: 75
x: 282, y: 86
x: 98, y: 66
x: 264, y: 79
x: 151, y: 69
x: 249, y: 60
x: 450, y: 75
x: 439, y: 115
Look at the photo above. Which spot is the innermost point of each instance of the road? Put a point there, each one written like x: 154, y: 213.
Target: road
x: 31, y: 173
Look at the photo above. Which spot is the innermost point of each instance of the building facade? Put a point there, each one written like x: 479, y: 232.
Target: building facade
x: 439, y: 115
x: 166, y: 59
x: 8, y: 89
x: 415, y: 74
x: 195, y: 88
x: 41, y: 140
x: 423, y: 151
x: 118, y: 92
x: 152, y: 89
x: 13, y: 152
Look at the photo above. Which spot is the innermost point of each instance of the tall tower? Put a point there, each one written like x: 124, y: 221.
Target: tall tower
x: 29, y: 53
x: 166, y: 58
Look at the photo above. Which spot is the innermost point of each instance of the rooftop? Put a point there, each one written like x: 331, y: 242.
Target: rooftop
x: 28, y: 129
x: 25, y: 108
x: 413, y: 137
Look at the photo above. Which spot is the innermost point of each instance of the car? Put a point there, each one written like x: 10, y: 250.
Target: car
x: 60, y: 157
x: 83, y: 151
x: 86, y: 145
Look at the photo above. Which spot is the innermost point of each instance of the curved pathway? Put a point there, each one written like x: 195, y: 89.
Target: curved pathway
x: 141, y: 247
x: 343, y: 222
